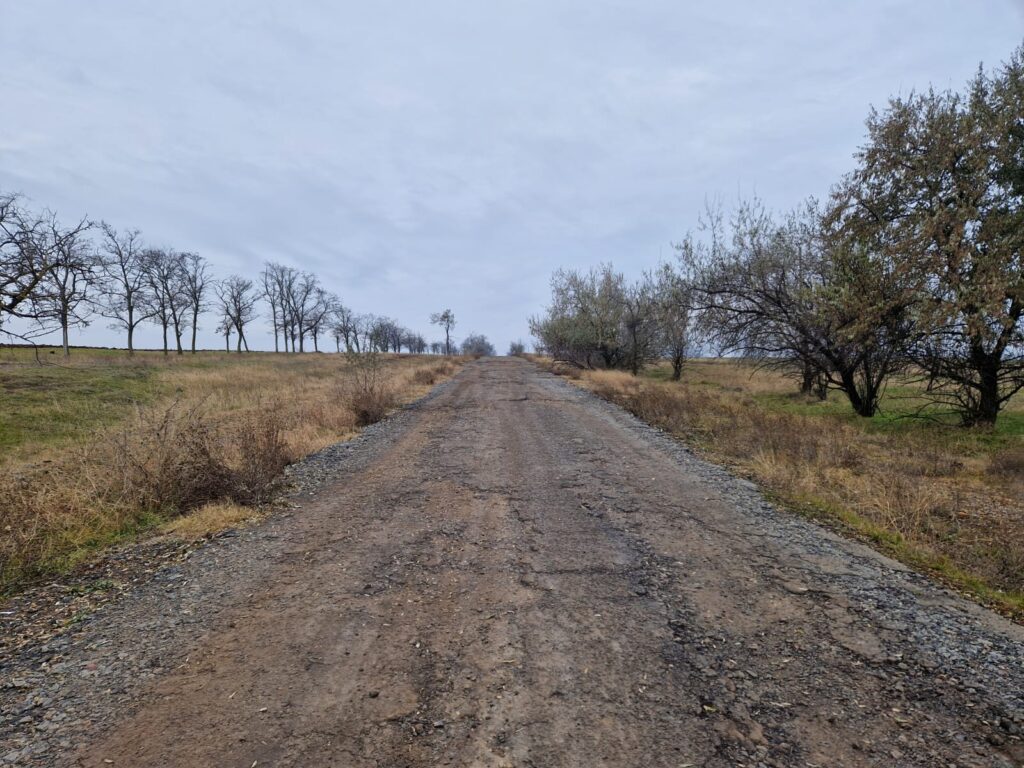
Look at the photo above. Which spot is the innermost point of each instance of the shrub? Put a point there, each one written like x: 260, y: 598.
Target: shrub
x: 424, y: 376
x: 168, y: 460
x: 366, y: 393
x: 262, y: 456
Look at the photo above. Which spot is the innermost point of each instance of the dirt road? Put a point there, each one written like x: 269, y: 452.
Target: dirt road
x: 525, y: 576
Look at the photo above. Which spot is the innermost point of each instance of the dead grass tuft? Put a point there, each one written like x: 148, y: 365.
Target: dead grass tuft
x: 1008, y: 463
x: 208, y: 520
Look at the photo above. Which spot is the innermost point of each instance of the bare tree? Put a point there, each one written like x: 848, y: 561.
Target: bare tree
x: 196, y: 283
x: 273, y: 281
x: 516, y: 348
x: 126, y: 299
x: 62, y: 296
x: 31, y: 247
x: 413, y: 342
x: 446, y: 320
x: 23, y: 262
x: 345, y: 328
x: 300, y: 294
x: 165, y: 274
x: 238, y: 307
x: 320, y: 312
x: 225, y: 327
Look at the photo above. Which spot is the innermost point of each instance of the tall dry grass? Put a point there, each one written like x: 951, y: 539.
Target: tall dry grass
x: 216, y: 442
x: 956, y: 514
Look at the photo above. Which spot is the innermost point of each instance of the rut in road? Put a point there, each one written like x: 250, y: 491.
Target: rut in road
x: 529, y: 578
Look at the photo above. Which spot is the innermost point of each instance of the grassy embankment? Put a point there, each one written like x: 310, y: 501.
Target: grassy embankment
x: 946, y: 500
x: 106, y: 447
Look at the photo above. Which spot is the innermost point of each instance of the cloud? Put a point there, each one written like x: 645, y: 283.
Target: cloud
x: 423, y: 155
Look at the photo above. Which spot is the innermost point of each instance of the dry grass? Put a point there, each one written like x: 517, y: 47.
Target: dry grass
x: 207, y: 520
x: 946, y: 501
x: 204, y: 436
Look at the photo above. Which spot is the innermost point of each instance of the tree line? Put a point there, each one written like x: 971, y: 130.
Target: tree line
x: 57, y: 277
x: 912, y: 266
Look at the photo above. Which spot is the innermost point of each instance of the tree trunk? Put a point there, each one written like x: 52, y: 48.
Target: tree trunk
x: 195, y: 325
x: 166, y: 350
x: 677, y: 367
x: 807, y: 380
x: 864, y: 405
x: 64, y: 331
x: 986, y: 411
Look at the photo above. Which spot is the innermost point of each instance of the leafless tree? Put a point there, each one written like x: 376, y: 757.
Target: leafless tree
x: 31, y: 248
x: 23, y: 262
x: 238, y: 307
x: 125, y: 292
x: 446, y: 320
x: 345, y: 327
x: 319, y: 315
x: 300, y: 295
x: 414, y: 342
x: 516, y: 348
x: 196, y: 283
x: 165, y: 274
x: 62, y: 296
x: 224, y: 327
x: 274, y: 288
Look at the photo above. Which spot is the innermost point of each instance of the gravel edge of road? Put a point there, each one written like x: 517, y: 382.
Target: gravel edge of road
x: 976, y: 648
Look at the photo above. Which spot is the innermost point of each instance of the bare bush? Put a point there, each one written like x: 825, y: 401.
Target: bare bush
x: 167, y: 460
x: 262, y: 456
x: 425, y: 376
x: 367, y: 393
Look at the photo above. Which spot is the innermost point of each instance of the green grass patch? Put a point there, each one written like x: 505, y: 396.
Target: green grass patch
x: 44, y: 405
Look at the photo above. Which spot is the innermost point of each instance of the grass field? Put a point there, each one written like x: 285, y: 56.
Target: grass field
x: 106, y: 447
x: 944, y: 499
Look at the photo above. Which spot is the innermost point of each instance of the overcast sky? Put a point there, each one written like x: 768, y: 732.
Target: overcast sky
x: 432, y: 153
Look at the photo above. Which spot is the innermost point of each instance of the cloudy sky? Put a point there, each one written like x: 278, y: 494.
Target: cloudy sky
x: 432, y: 153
